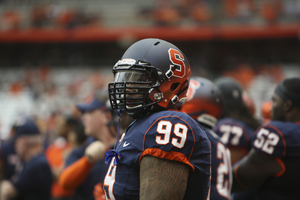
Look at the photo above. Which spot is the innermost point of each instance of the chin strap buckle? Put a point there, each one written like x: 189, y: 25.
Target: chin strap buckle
x: 169, y: 73
x: 174, y: 99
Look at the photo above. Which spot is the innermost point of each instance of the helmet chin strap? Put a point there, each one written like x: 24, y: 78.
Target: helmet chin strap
x: 114, y: 153
x: 175, y: 98
x: 170, y: 72
x: 119, y: 113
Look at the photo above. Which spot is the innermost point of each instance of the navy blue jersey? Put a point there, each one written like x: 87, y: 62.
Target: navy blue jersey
x: 10, y: 159
x: 35, y: 180
x: 168, y: 135
x: 221, y: 176
x: 280, y: 140
x: 96, y: 175
x: 235, y: 133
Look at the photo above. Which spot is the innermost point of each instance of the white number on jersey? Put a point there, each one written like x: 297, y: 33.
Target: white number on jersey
x: 109, y: 181
x: 165, y: 128
x: 227, y: 130
x: 223, y: 186
x: 267, y: 145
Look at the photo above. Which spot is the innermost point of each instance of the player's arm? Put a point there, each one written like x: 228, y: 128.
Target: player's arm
x: 253, y: 170
x: 75, y: 174
x: 162, y: 179
x: 237, y: 154
x: 7, y: 190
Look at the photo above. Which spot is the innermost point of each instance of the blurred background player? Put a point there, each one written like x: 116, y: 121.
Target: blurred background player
x: 35, y: 179
x: 10, y: 162
x: 205, y: 105
x: 237, y: 124
x: 85, y: 167
x: 163, y: 154
x: 272, y: 165
x: 70, y: 135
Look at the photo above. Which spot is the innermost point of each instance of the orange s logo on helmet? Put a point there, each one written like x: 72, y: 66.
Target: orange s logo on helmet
x: 192, y: 89
x: 177, y: 59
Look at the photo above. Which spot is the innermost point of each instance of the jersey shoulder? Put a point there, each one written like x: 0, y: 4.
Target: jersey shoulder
x: 172, y: 117
x: 175, y: 115
x: 172, y: 135
x: 234, y: 133
x: 285, y: 127
x: 233, y: 122
x: 278, y: 139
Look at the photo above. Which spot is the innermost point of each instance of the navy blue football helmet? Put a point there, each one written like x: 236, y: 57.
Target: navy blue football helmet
x: 152, y: 75
x: 231, y: 89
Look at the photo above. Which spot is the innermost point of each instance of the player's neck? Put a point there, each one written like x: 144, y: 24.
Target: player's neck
x: 293, y: 116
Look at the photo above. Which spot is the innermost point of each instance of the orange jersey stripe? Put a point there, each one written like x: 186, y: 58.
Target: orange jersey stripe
x: 237, y: 177
x: 282, y: 165
x: 172, y: 155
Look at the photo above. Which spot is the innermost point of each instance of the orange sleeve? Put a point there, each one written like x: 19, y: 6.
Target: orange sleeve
x: 74, y: 175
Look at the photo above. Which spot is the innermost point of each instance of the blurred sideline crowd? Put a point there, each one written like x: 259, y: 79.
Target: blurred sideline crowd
x: 57, y: 152
x: 46, y: 92
x: 207, y: 12
x: 160, y: 13
x: 48, y: 16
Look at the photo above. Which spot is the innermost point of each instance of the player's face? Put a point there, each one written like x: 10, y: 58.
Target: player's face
x: 94, y: 122
x: 21, y: 146
x: 277, y: 108
x: 60, y: 122
x: 135, y: 86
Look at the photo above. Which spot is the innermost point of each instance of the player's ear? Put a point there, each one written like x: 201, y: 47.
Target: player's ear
x: 287, y: 105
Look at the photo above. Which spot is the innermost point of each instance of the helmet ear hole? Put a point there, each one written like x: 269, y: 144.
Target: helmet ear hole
x: 174, y: 86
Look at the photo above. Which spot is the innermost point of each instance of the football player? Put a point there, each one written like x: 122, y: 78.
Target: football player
x: 272, y: 165
x: 205, y: 104
x: 238, y: 124
x: 163, y: 154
